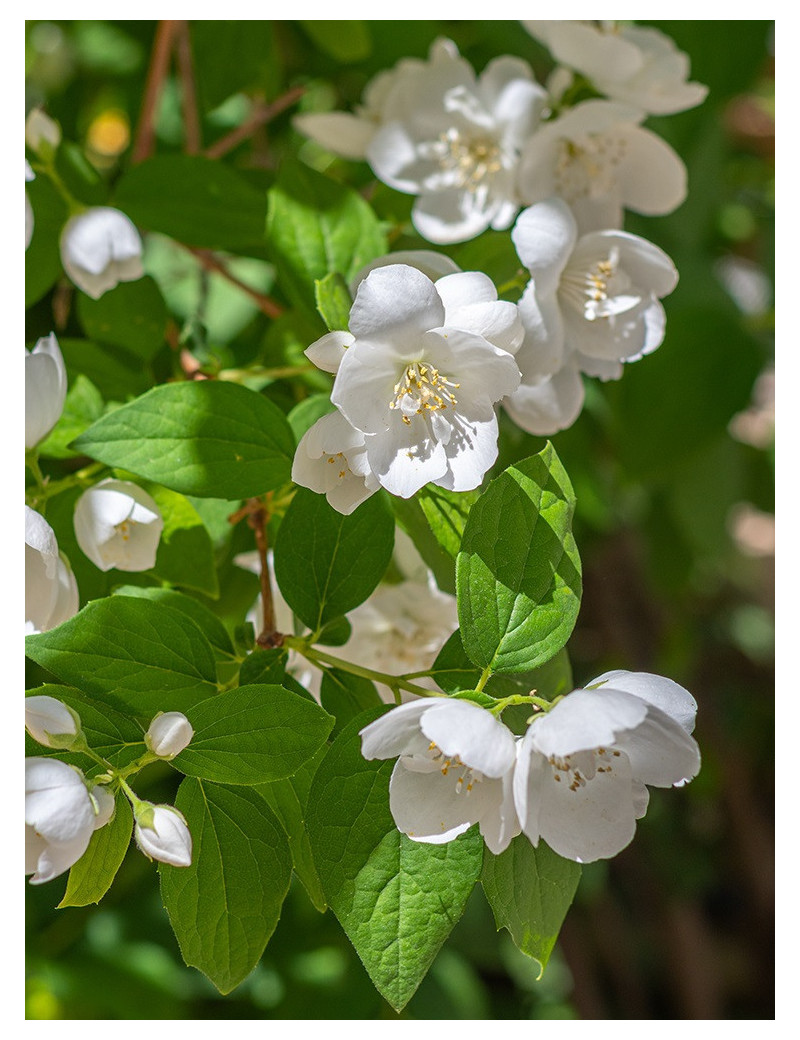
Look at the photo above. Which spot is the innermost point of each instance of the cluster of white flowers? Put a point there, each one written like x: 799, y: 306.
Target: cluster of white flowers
x: 63, y: 808
x: 474, y: 150
x: 577, y: 778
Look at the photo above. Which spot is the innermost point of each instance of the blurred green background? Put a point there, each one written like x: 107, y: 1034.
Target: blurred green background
x: 674, y: 472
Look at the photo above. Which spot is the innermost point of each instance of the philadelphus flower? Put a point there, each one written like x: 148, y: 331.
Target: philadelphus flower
x: 29, y: 176
x: 599, y: 160
x: 61, y: 814
x: 419, y: 373
x: 455, y: 769
x: 51, y: 594
x: 42, y: 134
x: 99, y: 249
x: 161, y: 833
x: 592, y: 304
x: 51, y: 722
x: 635, y: 64
x: 168, y: 735
x: 581, y: 771
x: 450, y: 138
x: 45, y: 389
x: 117, y: 524
x: 331, y: 459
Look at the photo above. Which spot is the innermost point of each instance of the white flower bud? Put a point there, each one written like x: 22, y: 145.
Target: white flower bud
x: 42, y: 134
x: 45, y: 389
x: 117, y: 524
x: 59, y: 817
x: 169, y: 734
x: 101, y: 248
x: 104, y: 805
x: 161, y: 833
x: 51, y: 722
x: 51, y: 594
x: 29, y: 176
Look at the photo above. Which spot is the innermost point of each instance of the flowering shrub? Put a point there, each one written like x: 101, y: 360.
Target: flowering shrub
x: 282, y: 395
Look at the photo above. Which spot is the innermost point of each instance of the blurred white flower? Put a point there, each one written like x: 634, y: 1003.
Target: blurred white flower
x: 61, y: 814
x: 51, y: 594
x: 436, y: 130
x: 101, y: 248
x: 50, y: 721
x: 592, y: 304
x: 161, y: 833
x: 636, y: 64
x: 423, y: 391
x: 45, y: 389
x: 168, y: 734
x: 42, y: 134
x: 331, y: 459
x: 117, y: 524
x: 582, y: 768
x: 599, y: 160
x: 455, y: 768
x: 29, y: 176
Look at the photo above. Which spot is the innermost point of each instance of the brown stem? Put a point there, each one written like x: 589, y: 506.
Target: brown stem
x: 257, y: 513
x: 211, y: 262
x: 261, y: 114
x: 191, y: 119
x: 156, y: 74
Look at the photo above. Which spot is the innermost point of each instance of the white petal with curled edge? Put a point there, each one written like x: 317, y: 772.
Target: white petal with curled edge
x: 587, y: 719
x: 340, y: 132
x: 461, y: 728
x: 450, y: 215
x: 56, y: 857
x: 664, y: 693
x: 501, y: 825
x: 395, y: 733
x: 661, y: 752
x: 464, y: 288
x: 550, y: 405
x: 327, y: 352
x: 397, y: 304
x: 653, y: 176
x: 544, y: 237
x: 56, y: 799
x: 434, y: 265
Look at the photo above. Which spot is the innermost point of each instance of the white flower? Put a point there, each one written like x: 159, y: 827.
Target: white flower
x: 420, y: 388
x: 581, y: 770
x: 51, y: 722
x: 592, y: 304
x: 117, y: 524
x: 599, y: 160
x: 437, y: 131
x: 61, y: 815
x: 161, y: 833
x: 99, y: 249
x: 636, y: 64
x: 45, y: 389
x: 331, y: 459
x: 51, y: 594
x: 29, y: 176
x: 169, y: 733
x: 42, y: 134
x: 455, y: 769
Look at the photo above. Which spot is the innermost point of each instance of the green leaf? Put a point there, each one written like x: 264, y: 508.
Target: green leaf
x: 115, y: 372
x: 208, y: 623
x: 303, y: 416
x: 198, y: 201
x: 414, y: 522
x: 253, y: 735
x: 333, y: 300
x: 263, y: 666
x: 185, y: 554
x: 133, y: 654
x: 91, y: 877
x: 315, y: 227
x: 446, y: 513
x: 205, y: 438
x: 530, y: 890
x: 518, y: 574
x: 288, y: 799
x: 327, y: 563
x: 83, y: 406
x: 225, y: 906
x: 232, y: 56
x: 43, y: 257
x: 396, y: 899
x: 345, y: 696
x: 133, y: 316
x: 346, y: 40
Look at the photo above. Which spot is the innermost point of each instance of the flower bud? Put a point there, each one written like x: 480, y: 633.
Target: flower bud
x: 101, y: 248
x: 161, y: 833
x: 117, y: 524
x: 169, y: 734
x: 104, y: 805
x: 51, y: 594
x: 42, y: 134
x: 29, y: 176
x: 45, y: 389
x: 52, y: 722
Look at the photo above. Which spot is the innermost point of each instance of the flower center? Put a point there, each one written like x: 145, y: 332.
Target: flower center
x: 124, y: 529
x: 598, y: 290
x: 422, y: 389
x: 577, y: 770
x: 467, y: 776
x: 588, y: 169
x: 339, y: 471
x: 469, y: 158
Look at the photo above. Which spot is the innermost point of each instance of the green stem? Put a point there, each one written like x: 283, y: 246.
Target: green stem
x: 48, y: 168
x: 48, y: 489
x: 395, y: 682
x: 239, y: 375
x: 487, y: 671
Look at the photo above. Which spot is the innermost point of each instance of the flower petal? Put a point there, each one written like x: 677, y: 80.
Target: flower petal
x: 395, y: 733
x: 340, y: 132
x: 460, y: 728
x: 665, y: 694
x: 587, y: 719
x: 327, y: 352
x: 544, y: 237
x: 397, y: 304
x: 432, y: 807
